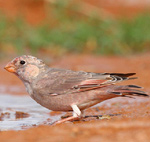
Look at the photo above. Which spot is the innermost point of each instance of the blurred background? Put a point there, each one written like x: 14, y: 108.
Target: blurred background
x: 56, y: 28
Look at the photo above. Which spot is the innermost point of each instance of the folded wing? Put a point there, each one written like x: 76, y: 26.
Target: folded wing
x: 60, y: 82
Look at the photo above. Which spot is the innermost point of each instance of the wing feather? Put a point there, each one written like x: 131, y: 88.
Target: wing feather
x: 60, y: 81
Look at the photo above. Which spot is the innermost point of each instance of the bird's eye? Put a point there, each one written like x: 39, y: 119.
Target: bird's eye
x: 22, y: 62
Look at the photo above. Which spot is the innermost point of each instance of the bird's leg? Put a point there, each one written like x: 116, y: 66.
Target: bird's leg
x: 76, y: 111
x: 76, y: 115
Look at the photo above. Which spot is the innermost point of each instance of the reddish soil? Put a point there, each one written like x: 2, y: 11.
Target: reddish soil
x: 132, y: 122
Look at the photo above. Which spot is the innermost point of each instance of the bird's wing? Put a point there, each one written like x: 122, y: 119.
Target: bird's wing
x: 57, y: 81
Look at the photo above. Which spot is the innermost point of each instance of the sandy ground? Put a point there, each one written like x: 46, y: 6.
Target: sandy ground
x: 131, y: 120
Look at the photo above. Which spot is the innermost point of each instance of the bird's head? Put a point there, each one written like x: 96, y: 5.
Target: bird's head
x: 26, y: 67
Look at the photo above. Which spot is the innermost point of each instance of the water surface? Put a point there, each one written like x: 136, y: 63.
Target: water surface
x: 21, y: 112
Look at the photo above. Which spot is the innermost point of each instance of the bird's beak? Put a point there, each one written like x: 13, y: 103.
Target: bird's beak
x: 10, y: 67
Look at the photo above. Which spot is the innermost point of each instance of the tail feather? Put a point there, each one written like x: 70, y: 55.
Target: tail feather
x: 129, y: 91
x: 132, y: 78
x: 134, y: 86
x: 122, y: 74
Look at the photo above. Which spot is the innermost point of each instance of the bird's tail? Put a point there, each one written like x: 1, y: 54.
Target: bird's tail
x: 128, y: 91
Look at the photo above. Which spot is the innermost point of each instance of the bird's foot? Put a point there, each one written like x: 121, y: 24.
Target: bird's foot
x: 76, y: 115
x: 71, y: 118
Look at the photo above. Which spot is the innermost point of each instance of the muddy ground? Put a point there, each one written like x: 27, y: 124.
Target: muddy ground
x: 123, y: 119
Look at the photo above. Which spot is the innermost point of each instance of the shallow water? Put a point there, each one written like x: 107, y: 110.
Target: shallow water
x: 21, y: 112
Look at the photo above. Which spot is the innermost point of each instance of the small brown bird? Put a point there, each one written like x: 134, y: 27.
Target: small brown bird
x: 66, y: 90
